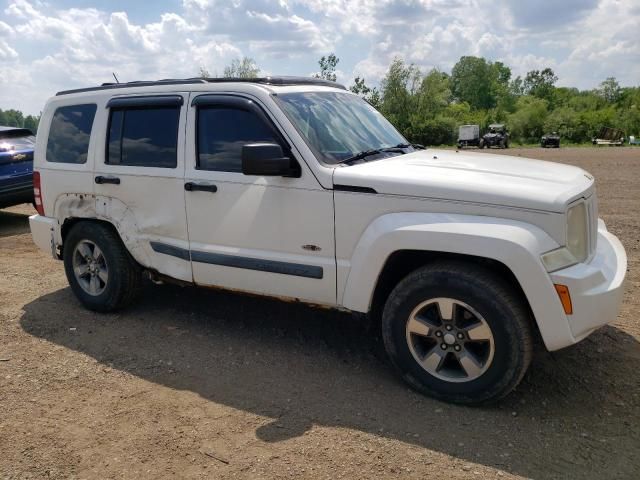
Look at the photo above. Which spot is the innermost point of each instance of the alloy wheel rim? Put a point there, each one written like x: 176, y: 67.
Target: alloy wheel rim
x: 90, y: 267
x: 450, y: 340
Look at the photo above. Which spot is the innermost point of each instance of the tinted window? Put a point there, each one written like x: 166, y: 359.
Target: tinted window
x: 221, y: 134
x: 143, y: 137
x: 70, y: 133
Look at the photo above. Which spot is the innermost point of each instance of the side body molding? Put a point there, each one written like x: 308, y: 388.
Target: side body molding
x: 517, y: 245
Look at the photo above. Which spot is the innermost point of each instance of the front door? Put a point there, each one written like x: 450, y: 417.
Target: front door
x: 140, y: 175
x: 266, y: 235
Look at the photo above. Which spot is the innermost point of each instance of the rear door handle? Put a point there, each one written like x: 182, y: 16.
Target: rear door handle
x: 201, y: 187
x: 113, y: 180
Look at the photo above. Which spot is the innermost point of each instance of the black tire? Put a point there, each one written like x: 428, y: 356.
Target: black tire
x: 481, y: 144
x: 124, y: 274
x: 502, y: 309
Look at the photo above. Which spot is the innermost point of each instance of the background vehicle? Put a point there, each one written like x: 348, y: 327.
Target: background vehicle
x: 633, y: 140
x: 550, y: 140
x: 468, y: 136
x: 609, y: 136
x: 297, y: 188
x: 16, y: 166
x: 497, y: 136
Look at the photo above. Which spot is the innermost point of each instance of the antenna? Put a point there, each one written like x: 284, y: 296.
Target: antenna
x: 114, y: 76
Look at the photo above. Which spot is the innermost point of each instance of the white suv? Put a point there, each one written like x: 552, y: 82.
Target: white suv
x: 296, y: 188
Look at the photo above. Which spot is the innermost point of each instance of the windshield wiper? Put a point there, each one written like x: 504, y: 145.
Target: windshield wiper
x: 417, y: 146
x: 367, y: 153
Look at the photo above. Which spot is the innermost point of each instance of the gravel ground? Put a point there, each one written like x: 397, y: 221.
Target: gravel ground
x: 193, y: 383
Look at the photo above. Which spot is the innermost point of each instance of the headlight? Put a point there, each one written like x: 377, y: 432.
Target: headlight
x: 577, y: 247
x: 577, y: 241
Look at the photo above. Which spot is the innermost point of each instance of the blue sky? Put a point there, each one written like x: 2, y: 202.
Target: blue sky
x: 46, y: 46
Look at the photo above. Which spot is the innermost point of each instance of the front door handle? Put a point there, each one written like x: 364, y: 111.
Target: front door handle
x: 113, y: 180
x: 202, y: 187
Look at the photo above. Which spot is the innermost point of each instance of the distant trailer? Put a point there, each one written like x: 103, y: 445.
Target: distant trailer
x: 609, y: 136
x: 469, y: 136
x: 633, y: 140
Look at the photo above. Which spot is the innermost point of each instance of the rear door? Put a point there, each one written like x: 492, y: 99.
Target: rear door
x: 140, y: 173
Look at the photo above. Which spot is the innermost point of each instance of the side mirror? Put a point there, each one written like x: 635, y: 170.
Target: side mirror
x: 266, y: 159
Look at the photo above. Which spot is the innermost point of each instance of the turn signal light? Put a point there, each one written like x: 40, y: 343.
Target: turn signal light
x: 565, y: 298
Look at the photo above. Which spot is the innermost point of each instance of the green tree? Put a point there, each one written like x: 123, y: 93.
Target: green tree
x: 610, y: 90
x: 472, y: 81
x: 527, y: 122
x: 370, y: 94
x: 433, y: 95
x: 328, y: 66
x: 540, y: 84
x: 31, y: 122
x: 241, y: 68
x: 398, y: 93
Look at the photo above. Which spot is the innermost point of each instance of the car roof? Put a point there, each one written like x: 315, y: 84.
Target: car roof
x: 269, y: 81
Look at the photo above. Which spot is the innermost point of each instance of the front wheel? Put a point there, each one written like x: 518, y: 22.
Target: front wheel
x: 457, y: 333
x: 100, y: 271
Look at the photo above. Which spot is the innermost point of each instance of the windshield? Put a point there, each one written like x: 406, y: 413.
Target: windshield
x: 338, y: 125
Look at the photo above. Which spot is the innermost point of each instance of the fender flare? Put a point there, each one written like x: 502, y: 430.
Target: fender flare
x: 515, y: 244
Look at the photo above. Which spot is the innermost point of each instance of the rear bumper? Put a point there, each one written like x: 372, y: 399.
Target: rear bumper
x: 596, y: 288
x: 45, y: 233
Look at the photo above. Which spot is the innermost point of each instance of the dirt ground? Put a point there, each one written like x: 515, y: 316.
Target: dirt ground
x: 192, y: 383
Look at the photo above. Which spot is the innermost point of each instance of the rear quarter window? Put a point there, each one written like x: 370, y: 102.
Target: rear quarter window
x: 70, y: 133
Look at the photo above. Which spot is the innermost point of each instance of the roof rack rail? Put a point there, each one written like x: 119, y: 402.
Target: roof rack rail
x: 279, y: 81
x: 137, y: 83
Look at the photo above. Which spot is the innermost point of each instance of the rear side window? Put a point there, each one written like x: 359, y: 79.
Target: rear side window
x: 70, y: 133
x: 143, y: 137
x: 221, y: 134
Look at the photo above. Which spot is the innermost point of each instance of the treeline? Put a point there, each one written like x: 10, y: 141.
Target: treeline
x: 428, y: 107
x: 15, y: 118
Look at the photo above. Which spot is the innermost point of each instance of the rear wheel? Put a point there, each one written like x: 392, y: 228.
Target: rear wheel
x: 100, y: 271
x: 457, y: 333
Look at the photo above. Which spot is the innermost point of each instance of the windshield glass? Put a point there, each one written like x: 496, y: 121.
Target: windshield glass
x: 338, y: 125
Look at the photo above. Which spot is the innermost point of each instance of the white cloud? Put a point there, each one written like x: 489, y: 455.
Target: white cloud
x: 44, y: 49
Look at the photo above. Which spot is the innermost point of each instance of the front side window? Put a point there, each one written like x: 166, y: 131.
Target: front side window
x: 338, y: 125
x: 143, y: 137
x: 70, y: 133
x: 222, y: 132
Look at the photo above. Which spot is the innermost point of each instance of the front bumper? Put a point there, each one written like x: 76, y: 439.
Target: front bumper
x: 596, y: 288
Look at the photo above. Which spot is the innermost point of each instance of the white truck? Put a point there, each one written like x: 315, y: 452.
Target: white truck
x: 296, y: 188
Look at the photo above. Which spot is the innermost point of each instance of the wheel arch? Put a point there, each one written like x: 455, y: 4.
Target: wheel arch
x: 71, y: 209
x: 401, y: 263
x: 396, y: 244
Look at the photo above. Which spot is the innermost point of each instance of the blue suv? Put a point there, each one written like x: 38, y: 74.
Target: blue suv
x: 16, y: 166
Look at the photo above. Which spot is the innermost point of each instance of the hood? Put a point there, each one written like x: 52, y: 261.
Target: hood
x: 472, y: 177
